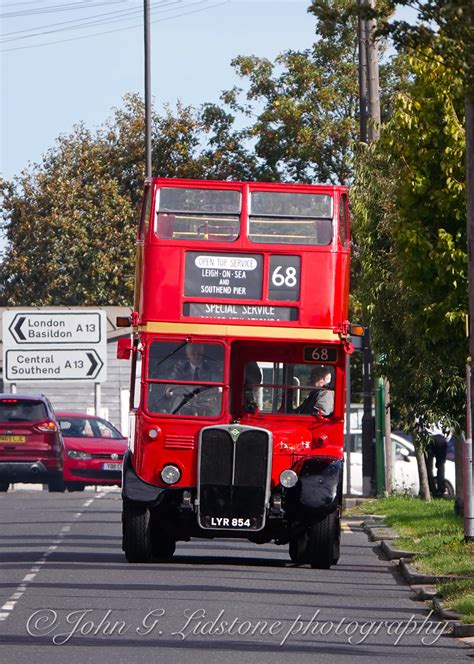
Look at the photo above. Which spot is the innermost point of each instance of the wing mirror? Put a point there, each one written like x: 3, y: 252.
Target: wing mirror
x: 404, y: 454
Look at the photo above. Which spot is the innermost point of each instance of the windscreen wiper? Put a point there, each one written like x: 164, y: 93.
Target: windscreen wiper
x: 190, y: 396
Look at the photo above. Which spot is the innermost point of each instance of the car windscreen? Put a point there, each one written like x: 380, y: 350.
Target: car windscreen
x: 87, y: 427
x: 22, y: 410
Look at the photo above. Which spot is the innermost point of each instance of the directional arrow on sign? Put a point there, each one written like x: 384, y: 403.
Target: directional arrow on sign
x: 17, y: 327
x: 54, y: 364
x: 94, y: 363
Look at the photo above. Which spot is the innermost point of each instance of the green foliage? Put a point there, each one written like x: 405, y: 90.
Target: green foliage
x: 432, y: 531
x: 70, y: 222
x: 444, y: 26
x: 70, y: 230
x: 305, y: 103
x: 410, y: 224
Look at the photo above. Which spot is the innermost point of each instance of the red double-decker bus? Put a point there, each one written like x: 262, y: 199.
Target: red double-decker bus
x: 240, y: 324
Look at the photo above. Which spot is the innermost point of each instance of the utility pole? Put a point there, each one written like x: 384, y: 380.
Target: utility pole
x: 369, y: 109
x: 368, y: 451
x: 389, y: 447
x: 373, y: 92
x: 147, y: 44
x: 367, y: 419
x: 362, y: 38
x: 467, y: 456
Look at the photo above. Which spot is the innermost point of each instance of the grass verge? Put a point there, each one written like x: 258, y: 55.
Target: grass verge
x: 436, y: 535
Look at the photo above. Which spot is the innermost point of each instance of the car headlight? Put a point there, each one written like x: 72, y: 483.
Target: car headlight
x: 288, y: 478
x: 170, y: 474
x: 77, y: 454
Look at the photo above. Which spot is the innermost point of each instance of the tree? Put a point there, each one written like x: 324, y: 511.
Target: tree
x: 305, y: 102
x: 444, y: 33
x: 70, y: 230
x: 70, y: 222
x: 410, y: 211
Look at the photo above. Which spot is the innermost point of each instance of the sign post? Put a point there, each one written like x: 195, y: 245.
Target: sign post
x: 57, y: 345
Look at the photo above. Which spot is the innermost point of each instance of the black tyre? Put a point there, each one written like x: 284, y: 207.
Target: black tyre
x: 163, y: 546
x: 4, y: 486
x: 56, y: 484
x: 324, y: 542
x: 136, y: 536
x: 75, y: 486
x: 449, y: 490
x: 337, y: 538
x: 298, y: 549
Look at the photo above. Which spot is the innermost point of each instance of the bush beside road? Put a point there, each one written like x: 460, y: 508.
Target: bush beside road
x: 436, y: 536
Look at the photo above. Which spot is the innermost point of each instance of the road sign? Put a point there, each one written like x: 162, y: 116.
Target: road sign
x: 43, y: 345
x: 51, y: 327
x: 53, y: 364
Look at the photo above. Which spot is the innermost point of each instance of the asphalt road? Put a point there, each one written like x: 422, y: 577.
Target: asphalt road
x: 67, y: 595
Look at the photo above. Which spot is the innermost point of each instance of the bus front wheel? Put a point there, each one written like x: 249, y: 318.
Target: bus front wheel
x: 298, y: 548
x: 163, y: 547
x: 324, y: 541
x: 163, y: 544
x: 136, y: 533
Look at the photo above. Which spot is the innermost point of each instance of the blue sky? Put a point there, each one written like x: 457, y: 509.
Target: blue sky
x: 65, y: 75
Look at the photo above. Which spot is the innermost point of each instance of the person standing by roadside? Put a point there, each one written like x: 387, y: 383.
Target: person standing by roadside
x: 436, y: 451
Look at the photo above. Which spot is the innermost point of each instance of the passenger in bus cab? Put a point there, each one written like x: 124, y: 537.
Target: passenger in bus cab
x: 252, y: 376
x: 321, y: 399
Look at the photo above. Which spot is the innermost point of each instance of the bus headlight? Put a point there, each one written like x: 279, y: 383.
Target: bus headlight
x: 288, y: 478
x: 170, y: 474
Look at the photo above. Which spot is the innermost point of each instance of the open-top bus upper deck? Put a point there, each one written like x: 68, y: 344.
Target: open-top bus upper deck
x: 245, y: 257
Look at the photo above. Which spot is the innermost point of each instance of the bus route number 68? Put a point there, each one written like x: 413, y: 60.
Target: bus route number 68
x: 320, y: 354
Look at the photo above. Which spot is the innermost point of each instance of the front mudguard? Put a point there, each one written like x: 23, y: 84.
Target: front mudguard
x: 319, y: 489
x: 136, y: 490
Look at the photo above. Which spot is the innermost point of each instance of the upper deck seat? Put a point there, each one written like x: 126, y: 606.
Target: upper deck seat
x: 165, y: 225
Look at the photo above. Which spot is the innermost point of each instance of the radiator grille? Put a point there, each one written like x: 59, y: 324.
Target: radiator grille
x: 233, y: 478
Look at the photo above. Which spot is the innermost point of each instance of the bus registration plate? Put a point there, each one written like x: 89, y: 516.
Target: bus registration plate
x: 228, y: 522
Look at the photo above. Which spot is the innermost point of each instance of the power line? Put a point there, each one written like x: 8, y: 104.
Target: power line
x: 59, y: 8
x: 108, y: 32
x: 119, y: 15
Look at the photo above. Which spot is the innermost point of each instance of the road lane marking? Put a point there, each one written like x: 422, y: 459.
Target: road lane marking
x: 9, y: 605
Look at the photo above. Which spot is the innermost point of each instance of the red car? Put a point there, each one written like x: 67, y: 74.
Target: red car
x: 93, y: 451
x: 31, y: 446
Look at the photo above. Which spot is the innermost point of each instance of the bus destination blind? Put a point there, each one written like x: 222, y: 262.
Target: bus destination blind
x: 239, y: 311
x: 223, y: 276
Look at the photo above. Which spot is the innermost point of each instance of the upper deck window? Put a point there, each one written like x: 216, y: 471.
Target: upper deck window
x: 290, y: 218
x: 206, y: 215
x: 343, y: 221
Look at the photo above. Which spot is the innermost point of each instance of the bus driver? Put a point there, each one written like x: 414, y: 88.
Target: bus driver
x: 194, y: 367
